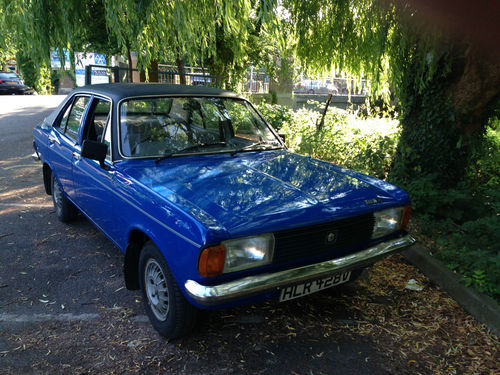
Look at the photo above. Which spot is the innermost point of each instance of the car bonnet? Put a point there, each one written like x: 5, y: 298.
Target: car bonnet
x: 264, y: 191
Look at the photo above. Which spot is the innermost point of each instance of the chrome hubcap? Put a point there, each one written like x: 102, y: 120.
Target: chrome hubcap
x: 156, y: 289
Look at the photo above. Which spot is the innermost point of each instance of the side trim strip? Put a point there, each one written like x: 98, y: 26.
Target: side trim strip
x: 138, y: 208
x: 252, y: 285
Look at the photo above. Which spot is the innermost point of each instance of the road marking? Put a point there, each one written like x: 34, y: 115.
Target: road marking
x: 24, y: 318
x: 26, y: 205
x: 67, y: 317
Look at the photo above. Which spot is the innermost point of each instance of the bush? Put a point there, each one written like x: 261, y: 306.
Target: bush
x: 464, y: 220
x: 38, y: 78
x: 367, y: 145
x: 276, y: 115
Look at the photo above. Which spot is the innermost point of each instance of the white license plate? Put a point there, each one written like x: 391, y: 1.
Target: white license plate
x: 309, y: 287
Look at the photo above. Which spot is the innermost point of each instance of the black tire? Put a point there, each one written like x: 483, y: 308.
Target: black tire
x: 168, y: 311
x: 65, y: 210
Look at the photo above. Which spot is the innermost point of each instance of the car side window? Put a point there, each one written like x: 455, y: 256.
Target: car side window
x: 97, y: 119
x: 97, y: 126
x: 75, y: 117
x: 62, y: 123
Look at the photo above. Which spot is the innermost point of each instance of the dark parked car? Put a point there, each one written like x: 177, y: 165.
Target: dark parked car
x: 208, y: 205
x: 11, y: 84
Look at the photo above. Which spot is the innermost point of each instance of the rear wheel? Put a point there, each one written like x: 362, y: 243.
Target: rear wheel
x: 65, y: 210
x: 169, y: 312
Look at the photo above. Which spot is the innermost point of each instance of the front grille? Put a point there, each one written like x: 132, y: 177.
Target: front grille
x: 314, y: 240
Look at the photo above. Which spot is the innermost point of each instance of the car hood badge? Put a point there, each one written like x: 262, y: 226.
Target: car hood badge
x: 331, y: 238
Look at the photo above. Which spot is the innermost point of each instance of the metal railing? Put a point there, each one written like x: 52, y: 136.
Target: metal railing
x: 115, y: 74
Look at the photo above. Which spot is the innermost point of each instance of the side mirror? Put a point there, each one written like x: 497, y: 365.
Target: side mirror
x: 95, y: 150
x: 282, y: 136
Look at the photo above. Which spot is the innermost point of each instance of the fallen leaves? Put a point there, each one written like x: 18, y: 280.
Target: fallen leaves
x: 432, y: 332
x: 407, y: 332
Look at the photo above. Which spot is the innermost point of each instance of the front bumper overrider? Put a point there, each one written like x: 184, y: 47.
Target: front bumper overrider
x: 262, y: 283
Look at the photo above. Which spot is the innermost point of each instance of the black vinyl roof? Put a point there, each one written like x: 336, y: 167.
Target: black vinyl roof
x: 118, y: 91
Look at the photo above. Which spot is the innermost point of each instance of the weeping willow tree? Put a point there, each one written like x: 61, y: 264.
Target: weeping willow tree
x: 32, y: 29
x: 221, y: 35
x: 448, y: 85
x: 37, y: 26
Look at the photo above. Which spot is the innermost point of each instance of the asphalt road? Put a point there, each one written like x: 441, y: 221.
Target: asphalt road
x: 64, y: 308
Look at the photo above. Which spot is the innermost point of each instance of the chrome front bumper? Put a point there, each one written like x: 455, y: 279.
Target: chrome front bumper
x: 252, y: 285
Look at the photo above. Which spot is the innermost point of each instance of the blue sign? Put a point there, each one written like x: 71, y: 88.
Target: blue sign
x: 55, y: 61
x: 99, y: 59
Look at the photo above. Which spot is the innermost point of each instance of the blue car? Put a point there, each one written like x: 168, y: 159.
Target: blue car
x: 206, y: 202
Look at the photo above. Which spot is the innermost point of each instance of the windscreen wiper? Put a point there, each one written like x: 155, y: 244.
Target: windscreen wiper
x: 252, y: 145
x: 188, y: 148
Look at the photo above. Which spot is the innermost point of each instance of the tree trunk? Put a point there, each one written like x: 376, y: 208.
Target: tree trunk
x: 441, y: 122
x: 475, y: 89
x: 130, y: 66
x: 152, y: 73
x: 180, y: 69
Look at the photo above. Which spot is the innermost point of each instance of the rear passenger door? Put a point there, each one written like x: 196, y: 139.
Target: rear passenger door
x: 93, y: 183
x: 63, y: 141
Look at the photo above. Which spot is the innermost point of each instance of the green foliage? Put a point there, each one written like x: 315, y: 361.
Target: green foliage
x: 221, y: 35
x: 43, y: 84
x: 365, y: 145
x: 276, y: 115
x: 470, y: 248
x: 7, y: 47
x: 28, y: 70
x: 37, y: 26
x: 464, y: 219
x: 484, y: 168
x: 37, y: 78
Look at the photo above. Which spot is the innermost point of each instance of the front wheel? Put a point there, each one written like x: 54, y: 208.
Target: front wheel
x: 169, y: 312
x: 65, y: 210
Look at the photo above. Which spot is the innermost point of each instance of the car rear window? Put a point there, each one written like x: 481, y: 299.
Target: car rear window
x: 8, y: 76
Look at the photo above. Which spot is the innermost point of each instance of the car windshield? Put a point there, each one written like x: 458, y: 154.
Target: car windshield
x: 167, y: 126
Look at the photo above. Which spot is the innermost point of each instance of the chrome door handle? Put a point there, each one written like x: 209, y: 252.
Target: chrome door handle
x: 77, y: 156
x: 52, y: 139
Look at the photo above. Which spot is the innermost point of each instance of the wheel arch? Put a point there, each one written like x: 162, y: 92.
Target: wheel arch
x: 47, y: 174
x: 136, y: 240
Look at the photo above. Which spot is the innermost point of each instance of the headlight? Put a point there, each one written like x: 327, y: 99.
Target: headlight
x: 390, y: 220
x: 248, y: 252
x: 236, y: 255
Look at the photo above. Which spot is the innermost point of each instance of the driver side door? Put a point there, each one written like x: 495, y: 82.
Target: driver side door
x: 94, y: 184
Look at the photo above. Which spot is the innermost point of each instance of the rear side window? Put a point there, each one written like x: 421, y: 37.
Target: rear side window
x: 75, y: 117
